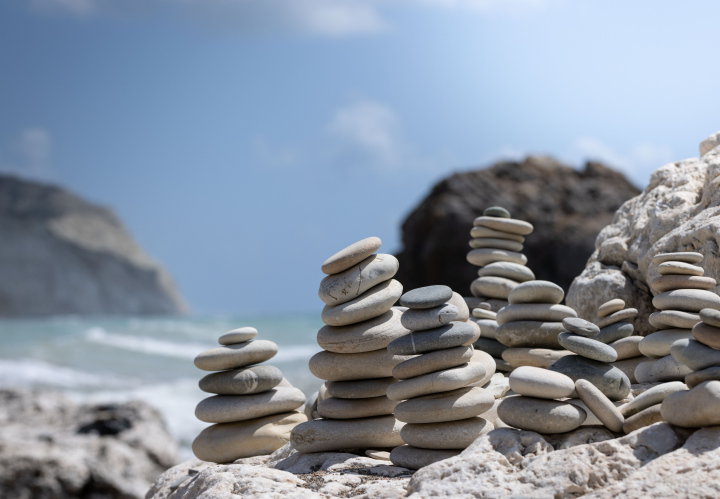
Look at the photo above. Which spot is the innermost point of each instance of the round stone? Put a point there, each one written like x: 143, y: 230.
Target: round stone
x: 690, y: 300
x: 508, y: 270
x: 447, y: 435
x: 519, y: 227
x: 488, y: 363
x: 670, y: 282
x: 658, y: 344
x: 694, y: 379
x: 485, y: 256
x: 614, y: 332
x: 610, y: 307
x: 332, y: 366
x: 649, y: 416
x: 480, y: 313
x: 536, y: 292
x: 678, y: 256
x: 710, y: 316
x: 374, y: 302
x: 433, y: 361
x: 651, y: 397
x: 353, y: 254
x: 461, y: 305
x: 535, y: 357
x: 429, y: 318
x: 239, y: 335
x: 478, y: 232
x: 476, y: 333
x: 627, y: 348
x: 360, y: 389
x: 327, y: 435
x: 694, y: 354
x: 349, y: 284
x: 679, y: 268
x: 226, y: 442
x: 540, y: 415
x: 628, y: 367
x: 439, y: 381
x: 667, y: 319
x: 694, y: 408
x: 366, y: 336
x: 488, y: 327
x: 495, y: 211
x: 493, y: 287
x: 534, y: 312
x: 491, y: 347
x: 236, y: 356
x: 644, y: 371
x: 454, y: 405
x: 535, y: 334
x: 255, y: 379
x: 669, y: 369
x: 336, y: 408
x: 230, y: 408
x: 609, y: 380
x: 426, y: 297
x: 587, y: 347
x: 491, y: 242
x: 600, y: 405
x: 581, y: 326
x: 448, y: 336
x: 540, y: 383
x: 414, y: 458
x: 623, y: 315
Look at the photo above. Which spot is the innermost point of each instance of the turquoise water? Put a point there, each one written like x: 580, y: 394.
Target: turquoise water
x: 139, y: 358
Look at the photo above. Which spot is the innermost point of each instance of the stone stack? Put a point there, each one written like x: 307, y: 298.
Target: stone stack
x: 359, y: 293
x: 486, y: 319
x: 529, y: 326
x: 682, y: 292
x: 440, y: 409
x: 254, y: 408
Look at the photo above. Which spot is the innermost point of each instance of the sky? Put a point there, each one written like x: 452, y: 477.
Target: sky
x: 243, y: 142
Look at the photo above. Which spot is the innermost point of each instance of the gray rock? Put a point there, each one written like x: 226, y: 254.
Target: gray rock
x: 678, y: 256
x: 536, y: 357
x: 488, y: 327
x: 429, y: 318
x: 628, y: 366
x: 322, y: 435
x: 651, y: 397
x: 414, y: 458
x: 627, y: 348
x: 496, y: 211
x: 353, y: 366
x: 508, y: 270
x: 536, y: 292
x: 581, y: 327
x: 697, y: 377
x: 463, y: 403
x: 529, y: 334
x: 347, y: 285
x: 236, y: 356
x: 658, y: 344
x: 451, y: 335
x: 540, y: 383
x: 610, y: 307
x: 534, y: 312
x: 481, y: 313
x: 694, y: 354
x: 691, y: 300
x: 426, y: 297
x: 707, y: 335
x: 679, y: 268
x: 610, y: 380
x: 644, y: 418
x: 366, y: 336
x: 448, y: 435
x: 621, y: 316
x: 255, y: 379
x: 600, y: 405
x: 231, y: 408
x: 440, y: 381
x: 491, y: 242
x: 433, y: 361
x: 540, y: 415
x: 492, y: 287
x: 336, y: 408
x: 477, y: 232
x: 669, y: 282
x: 360, y: 389
x: 710, y: 316
x: 485, y: 256
x: 614, y: 332
x: 461, y: 305
x: 239, y: 335
x: 510, y: 225
x: 353, y: 254
x: 667, y: 319
x: 374, y: 302
x: 695, y: 408
x: 587, y: 347
x: 669, y: 369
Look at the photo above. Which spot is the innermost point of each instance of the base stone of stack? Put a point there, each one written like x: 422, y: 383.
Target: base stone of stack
x: 323, y: 435
x: 446, y: 435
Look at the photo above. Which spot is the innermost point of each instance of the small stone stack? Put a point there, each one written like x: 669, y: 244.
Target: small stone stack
x: 359, y: 293
x: 497, y: 244
x: 254, y: 407
x: 531, y: 323
x: 616, y: 330
x: 682, y: 292
x: 440, y: 409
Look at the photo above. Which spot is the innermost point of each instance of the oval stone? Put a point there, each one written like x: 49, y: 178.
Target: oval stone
x: 610, y: 380
x: 461, y: 305
x: 529, y: 334
x: 628, y: 366
x: 484, y: 256
x: 336, y: 408
x: 413, y: 458
x: 491, y: 242
x: 494, y: 211
x: 255, y: 379
x: 651, y: 397
x: 627, y: 348
x: 621, y: 316
x: 454, y: 405
x: 581, y: 327
x: 710, y: 316
x: 536, y: 292
x: 360, y: 389
x: 649, y: 416
x: 236, y: 356
x: 536, y: 357
x: 347, y: 285
x: 429, y: 318
x: 695, y: 408
x: 679, y: 268
x: 492, y: 287
x: 534, y: 312
x: 426, y: 297
x: 451, y: 335
x: 239, y: 335
x: 670, y: 282
x: 600, y: 405
x: 508, y: 270
x: 658, y: 344
x: 690, y: 300
x: 488, y: 363
x: 540, y: 415
x: 540, y: 383
x: 439, y: 381
x: 481, y: 313
x: 694, y: 379
x: 353, y: 366
x: 326, y: 435
x: 366, y: 336
x: 370, y: 304
x: 478, y: 232
x: 614, y: 332
x: 694, y: 354
x: 587, y: 347
x: 446, y: 435
x: 667, y: 319
x: 610, y: 307
x: 347, y: 257
x: 488, y: 327
x: 511, y: 225
x: 678, y: 256
x: 669, y: 369
x: 230, y: 408
x: 433, y: 361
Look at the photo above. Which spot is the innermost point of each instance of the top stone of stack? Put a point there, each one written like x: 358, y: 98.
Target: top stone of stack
x: 353, y: 254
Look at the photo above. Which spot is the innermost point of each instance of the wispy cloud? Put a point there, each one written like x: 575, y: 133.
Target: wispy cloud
x: 29, y: 154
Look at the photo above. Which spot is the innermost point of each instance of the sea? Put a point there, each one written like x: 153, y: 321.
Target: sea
x: 151, y: 359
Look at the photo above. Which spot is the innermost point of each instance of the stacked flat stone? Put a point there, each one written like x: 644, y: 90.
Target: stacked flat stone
x: 486, y: 319
x: 254, y: 408
x: 359, y: 293
x: 682, y: 292
x: 440, y: 409
x: 497, y: 242
x: 529, y: 326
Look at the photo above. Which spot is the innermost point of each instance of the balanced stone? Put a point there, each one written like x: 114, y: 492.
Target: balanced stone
x: 610, y: 307
x: 679, y: 256
x: 481, y: 313
x: 239, y: 335
x: 231, y: 408
x: 540, y: 415
x: 534, y: 312
x: 484, y: 256
x: 370, y: 304
x: 366, y: 336
x: 360, y: 389
x: 644, y: 371
x: 623, y: 315
x: 429, y: 318
x: 249, y: 380
x: 491, y: 242
x: 600, y: 405
x: 351, y: 283
x: 628, y: 367
x: 610, y: 380
x: 454, y: 405
x: 670, y: 282
x: 493, y: 287
x: 535, y: 357
x: 673, y: 319
x: 488, y: 327
x: 415, y: 458
x: 496, y: 211
x: 536, y: 292
x: 508, y: 270
x: 463, y: 309
x: 426, y: 297
x: 697, y: 377
x: 649, y: 416
x: 236, y: 356
x: 690, y: 300
x: 529, y: 334
x: 669, y: 368
x: 541, y: 383
x: 487, y: 362
x: 332, y: 366
x: 355, y: 253
x: 324, y: 435
x: 491, y: 347
x: 478, y: 232
x: 587, y: 347
x: 614, y: 332
x: 695, y: 408
x: 679, y: 268
x: 337, y: 408
x: 651, y: 397
x: 580, y: 326
x: 694, y: 354
x: 433, y: 361
x: 510, y: 225
x: 439, y: 381
x: 447, y: 435
x: 448, y: 336
x: 710, y: 316
x: 627, y: 348
x: 658, y: 343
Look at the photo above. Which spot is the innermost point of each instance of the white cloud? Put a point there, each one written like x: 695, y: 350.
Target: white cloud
x: 29, y: 154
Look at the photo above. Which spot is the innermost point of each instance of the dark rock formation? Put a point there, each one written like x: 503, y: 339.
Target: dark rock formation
x: 62, y: 255
x: 568, y: 207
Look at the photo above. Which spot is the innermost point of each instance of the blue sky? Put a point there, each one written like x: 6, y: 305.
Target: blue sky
x: 244, y: 141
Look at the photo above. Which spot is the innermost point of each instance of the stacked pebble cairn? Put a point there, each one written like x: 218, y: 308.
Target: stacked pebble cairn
x: 488, y: 343
x: 529, y: 326
x: 682, y: 292
x: 254, y: 409
x: 440, y: 409
x: 359, y: 293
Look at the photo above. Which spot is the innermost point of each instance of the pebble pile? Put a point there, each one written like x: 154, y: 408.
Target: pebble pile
x: 359, y: 293
x: 254, y: 407
x: 433, y: 396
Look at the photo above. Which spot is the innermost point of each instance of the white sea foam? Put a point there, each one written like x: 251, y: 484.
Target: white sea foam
x: 145, y: 345
x: 34, y: 372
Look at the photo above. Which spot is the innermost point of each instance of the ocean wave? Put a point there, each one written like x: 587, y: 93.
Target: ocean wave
x: 145, y: 345
x: 34, y: 372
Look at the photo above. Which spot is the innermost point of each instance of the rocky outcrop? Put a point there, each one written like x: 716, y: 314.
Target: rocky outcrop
x: 678, y: 211
x: 568, y: 207
x: 62, y: 255
x: 52, y: 448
